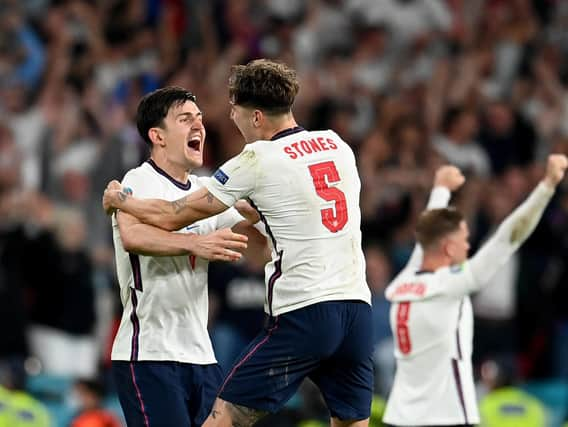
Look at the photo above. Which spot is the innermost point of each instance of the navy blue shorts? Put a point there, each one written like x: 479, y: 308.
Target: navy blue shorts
x: 328, y: 342
x: 166, y: 394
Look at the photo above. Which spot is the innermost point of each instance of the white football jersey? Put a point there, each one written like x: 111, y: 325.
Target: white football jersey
x: 431, y: 320
x: 306, y: 187
x: 433, y: 331
x: 164, y: 298
x: 433, y: 335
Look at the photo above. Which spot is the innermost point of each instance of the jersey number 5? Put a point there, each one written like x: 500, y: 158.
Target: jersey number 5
x: 402, y: 334
x: 333, y: 221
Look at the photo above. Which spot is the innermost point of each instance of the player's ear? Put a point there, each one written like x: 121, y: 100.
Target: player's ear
x: 447, y: 247
x: 257, y: 118
x: 156, y: 136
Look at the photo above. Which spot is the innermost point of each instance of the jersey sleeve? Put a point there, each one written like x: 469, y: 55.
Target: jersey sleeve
x: 236, y: 179
x: 511, y: 234
x: 455, y: 281
x: 439, y: 198
x: 447, y: 282
x: 459, y: 280
x: 140, y: 185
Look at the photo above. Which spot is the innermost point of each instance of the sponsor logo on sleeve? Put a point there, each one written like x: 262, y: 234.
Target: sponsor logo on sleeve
x: 221, y: 176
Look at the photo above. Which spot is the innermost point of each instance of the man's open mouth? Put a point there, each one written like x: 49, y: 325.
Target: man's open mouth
x: 194, y: 143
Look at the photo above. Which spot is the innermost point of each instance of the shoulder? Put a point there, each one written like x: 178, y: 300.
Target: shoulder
x: 258, y: 146
x: 198, y: 182
x: 144, y: 182
x: 334, y: 139
x: 142, y: 172
x: 411, y: 286
x: 252, y: 152
x: 331, y: 133
x: 408, y: 286
x: 453, y: 280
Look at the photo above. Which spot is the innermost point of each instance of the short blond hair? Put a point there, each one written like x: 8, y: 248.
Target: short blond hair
x: 435, y: 224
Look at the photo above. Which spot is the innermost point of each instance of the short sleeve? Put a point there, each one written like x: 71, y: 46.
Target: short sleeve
x: 236, y: 179
x: 141, y: 186
x: 454, y: 281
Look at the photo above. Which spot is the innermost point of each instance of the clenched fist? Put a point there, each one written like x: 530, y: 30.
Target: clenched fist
x: 555, y: 169
x: 449, y: 176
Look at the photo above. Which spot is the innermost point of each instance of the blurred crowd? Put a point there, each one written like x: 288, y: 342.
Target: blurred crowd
x: 410, y: 84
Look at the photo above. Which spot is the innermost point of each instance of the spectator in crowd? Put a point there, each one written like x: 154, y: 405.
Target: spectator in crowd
x: 89, y: 395
x: 505, y: 404
x: 20, y: 409
x: 457, y: 144
x: 379, y: 274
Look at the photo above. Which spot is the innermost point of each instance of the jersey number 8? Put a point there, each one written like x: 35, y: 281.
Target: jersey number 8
x: 402, y: 334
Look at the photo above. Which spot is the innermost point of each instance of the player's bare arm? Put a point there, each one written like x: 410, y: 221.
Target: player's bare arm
x: 161, y: 213
x: 144, y: 239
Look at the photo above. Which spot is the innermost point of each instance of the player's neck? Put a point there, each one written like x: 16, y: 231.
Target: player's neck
x: 278, y: 125
x: 433, y: 262
x: 175, y: 170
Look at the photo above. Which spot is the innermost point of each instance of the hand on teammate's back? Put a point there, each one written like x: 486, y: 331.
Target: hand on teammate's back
x: 247, y: 211
x: 555, y: 169
x: 449, y: 176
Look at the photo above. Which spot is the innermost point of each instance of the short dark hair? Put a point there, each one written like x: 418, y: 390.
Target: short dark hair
x: 267, y: 85
x: 435, y: 224
x: 94, y: 386
x: 154, y: 107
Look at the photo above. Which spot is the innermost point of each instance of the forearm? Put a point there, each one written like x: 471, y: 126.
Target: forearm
x: 516, y: 228
x: 148, y: 240
x: 164, y: 214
